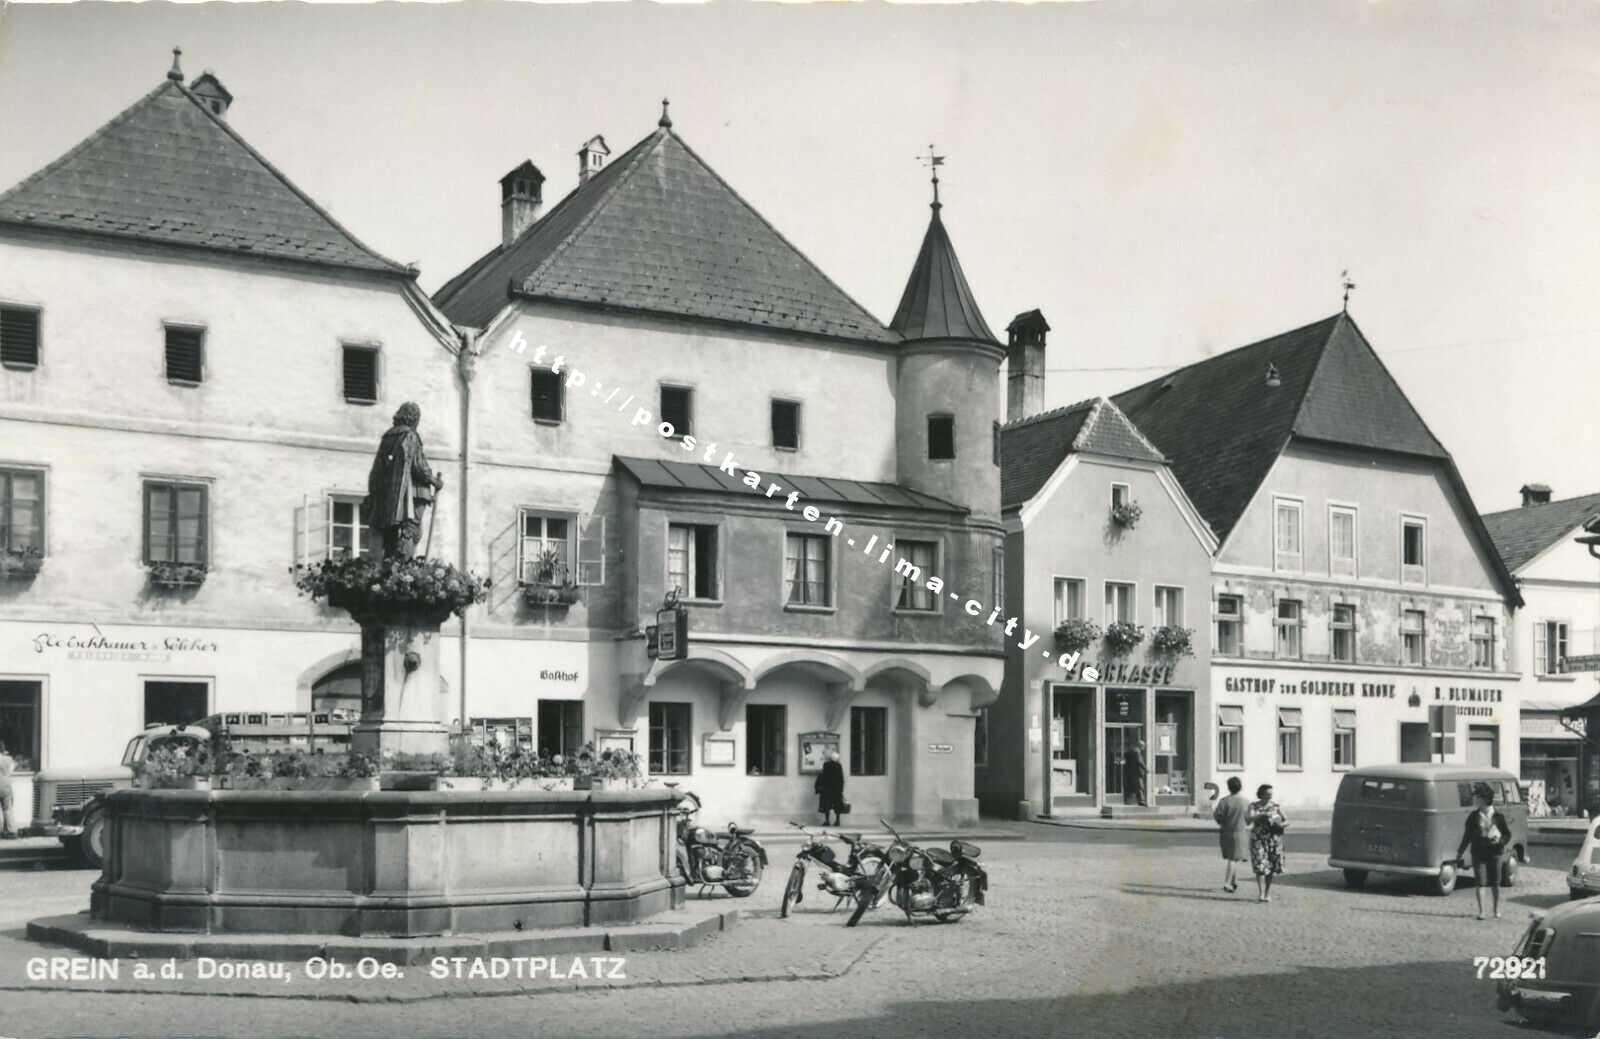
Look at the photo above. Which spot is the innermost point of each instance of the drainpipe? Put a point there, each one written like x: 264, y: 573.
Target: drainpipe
x: 466, y: 358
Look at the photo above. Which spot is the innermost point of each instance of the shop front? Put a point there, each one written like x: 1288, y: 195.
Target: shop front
x: 1552, y: 761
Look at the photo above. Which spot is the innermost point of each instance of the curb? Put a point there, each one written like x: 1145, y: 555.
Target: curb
x: 1542, y: 838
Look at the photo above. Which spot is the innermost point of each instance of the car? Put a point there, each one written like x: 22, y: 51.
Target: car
x: 1583, y: 881
x: 1407, y: 819
x: 1555, y: 967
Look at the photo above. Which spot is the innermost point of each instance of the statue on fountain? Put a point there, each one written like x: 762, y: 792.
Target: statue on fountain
x: 401, y: 486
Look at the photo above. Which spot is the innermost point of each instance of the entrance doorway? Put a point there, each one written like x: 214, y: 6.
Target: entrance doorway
x: 1124, y: 731
x: 1483, y: 745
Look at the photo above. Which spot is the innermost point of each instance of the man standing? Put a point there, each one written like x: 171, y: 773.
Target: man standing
x: 400, y: 486
x: 1133, y: 780
x: 8, y: 825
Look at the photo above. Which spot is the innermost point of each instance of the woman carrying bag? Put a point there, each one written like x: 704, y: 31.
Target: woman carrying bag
x: 1266, y: 840
x: 830, y: 790
x: 1488, y: 835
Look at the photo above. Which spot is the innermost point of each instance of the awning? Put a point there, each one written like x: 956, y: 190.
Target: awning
x: 1230, y: 715
x: 1289, y: 717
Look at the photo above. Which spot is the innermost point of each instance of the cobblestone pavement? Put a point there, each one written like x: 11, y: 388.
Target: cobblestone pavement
x: 1089, y: 939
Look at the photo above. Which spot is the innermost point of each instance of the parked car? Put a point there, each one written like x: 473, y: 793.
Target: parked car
x: 1584, y: 879
x: 1407, y: 820
x: 1554, y: 969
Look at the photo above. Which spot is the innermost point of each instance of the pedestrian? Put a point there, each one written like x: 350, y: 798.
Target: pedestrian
x: 1133, y: 781
x: 1229, y: 815
x: 1266, y: 840
x: 830, y: 789
x: 8, y: 818
x: 1488, y: 835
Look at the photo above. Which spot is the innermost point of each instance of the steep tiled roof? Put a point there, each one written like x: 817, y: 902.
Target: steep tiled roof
x: 1521, y: 534
x: 657, y: 230
x: 167, y: 170
x: 937, y: 302
x: 689, y: 476
x: 1032, y: 448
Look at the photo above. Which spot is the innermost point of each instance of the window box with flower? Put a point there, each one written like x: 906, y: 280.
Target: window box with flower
x: 1125, y: 514
x: 165, y: 574
x: 1172, y: 641
x: 20, y: 564
x: 1073, y: 636
x: 1123, y: 636
x: 549, y: 582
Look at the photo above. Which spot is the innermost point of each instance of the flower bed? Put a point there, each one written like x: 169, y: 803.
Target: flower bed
x: 367, y: 585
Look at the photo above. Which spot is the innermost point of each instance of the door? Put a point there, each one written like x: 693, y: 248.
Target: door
x: 1414, y: 742
x: 1483, y: 745
x: 1121, y: 737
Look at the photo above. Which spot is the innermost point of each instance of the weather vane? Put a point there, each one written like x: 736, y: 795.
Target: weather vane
x: 1344, y: 276
x: 933, y: 162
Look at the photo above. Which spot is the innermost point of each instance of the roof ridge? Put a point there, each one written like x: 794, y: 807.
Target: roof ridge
x: 1523, y: 509
x: 1095, y: 411
x: 1146, y: 441
x: 286, y: 182
x: 83, y: 145
x: 1052, y: 413
x: 1344, y: 318
x: 1214, y: 357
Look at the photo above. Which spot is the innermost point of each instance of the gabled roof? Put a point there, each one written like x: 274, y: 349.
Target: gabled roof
x: 657, y: 230
x: 689, y: 476
x: 1222, y: 426
x: 1521, y: 534
x: 937, y: 302
x: 168, y: 170
x: 1033, y: 448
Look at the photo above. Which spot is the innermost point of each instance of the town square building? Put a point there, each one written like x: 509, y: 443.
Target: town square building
x: 1355, y: 592
x: 1098, y: 533
x: 1560, y: 584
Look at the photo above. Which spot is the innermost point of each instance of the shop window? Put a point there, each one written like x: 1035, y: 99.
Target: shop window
x: 20, y: 711
x: 1413, y: 550
x: 765, y: 733
x: 360, y: 374
x: 1170, y: 751
x: 677, y: 407
x: 805, y: 568
x: 185, y: 354
x: 1286, y: 550
x: 1412, y: 638
x: 349, y: 536
x: 19, y: 337
x: 869, y: 737
x: 1343, y: 633
x: 1290, y: 729
x: 560, y: 727
x: 175, y: 703
x: 692, y: 560
x: 1549, y: 647
x: 917, y: 559
x: 547, y: 395
x: 174, y: 523
x: 1230, y: 736
x: 980, y: 738
x: 1341, y: 541
x: 21, y: 510
x: 941, y: 437
x: 1169, y: 606
x: 1288, y: 624
x: 1073, y: 762
x: 1069, y: 599
x: 1119, y: 602
x: 669, y: 739
x: 1483, y: 642
x: 786, y: 425
x: 1344, y: 739
x: 1230, y: 626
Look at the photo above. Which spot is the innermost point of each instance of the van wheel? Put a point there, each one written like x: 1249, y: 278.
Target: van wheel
x: 1355, y: 878
x: 1445, y: 882
x: 1508, y: 871
x: 93, y: 841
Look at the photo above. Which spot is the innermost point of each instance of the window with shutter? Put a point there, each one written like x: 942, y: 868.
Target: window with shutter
x: 360, y: 374
x: 22, y: 511
x: 185, y: 354
x: 175, y: 523
x: 19, y: 337
x: 591, y: 549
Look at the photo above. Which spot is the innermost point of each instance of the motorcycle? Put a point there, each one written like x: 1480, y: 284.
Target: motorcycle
x: 946, y: 885
x: 706, y: 859
x: 833, y: 877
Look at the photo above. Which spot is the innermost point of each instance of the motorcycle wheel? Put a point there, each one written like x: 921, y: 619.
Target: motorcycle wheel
x: 864, y: 899
x: 793, y: 890
x: 749, y: 874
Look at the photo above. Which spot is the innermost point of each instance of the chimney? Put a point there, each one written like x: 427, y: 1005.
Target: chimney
x: 591, y: 157
x: 1535, y: 494
x: 1025, y: 365
x: 209, y: 89
x: 521, y: 198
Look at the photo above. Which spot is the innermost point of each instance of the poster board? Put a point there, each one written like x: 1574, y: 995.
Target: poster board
x: 814, y: 750
x: 716, y: 750
x: 613, y: 739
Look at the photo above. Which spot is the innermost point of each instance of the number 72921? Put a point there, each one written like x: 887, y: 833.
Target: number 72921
x: 1508, y: 968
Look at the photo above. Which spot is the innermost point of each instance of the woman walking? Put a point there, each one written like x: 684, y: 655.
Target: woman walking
x: 1488, y: 834
x: 830, y: 789
x: 1229, y: 815
x: 1266, y: 840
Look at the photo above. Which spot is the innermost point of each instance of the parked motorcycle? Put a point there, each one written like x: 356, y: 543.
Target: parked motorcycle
x: 706, y: 859
x: 946, y: 885
x: 833, y: 877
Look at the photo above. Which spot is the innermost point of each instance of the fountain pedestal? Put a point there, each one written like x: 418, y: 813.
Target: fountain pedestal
x: 404, y: 704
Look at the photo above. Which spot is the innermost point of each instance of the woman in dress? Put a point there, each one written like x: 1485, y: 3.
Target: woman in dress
x: 830, y: 789
x: 1488, y: 834
x: 1266, y: 840
x: 1229, y: 815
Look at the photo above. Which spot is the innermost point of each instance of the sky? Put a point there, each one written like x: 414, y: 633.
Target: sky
x: 1164, y: 181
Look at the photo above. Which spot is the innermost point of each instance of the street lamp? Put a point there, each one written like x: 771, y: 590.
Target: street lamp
x: 1591, y: 536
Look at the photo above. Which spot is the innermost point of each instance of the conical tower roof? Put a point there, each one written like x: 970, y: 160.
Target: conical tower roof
x: 938, y: 303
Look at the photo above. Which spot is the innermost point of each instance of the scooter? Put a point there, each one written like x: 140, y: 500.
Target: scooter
x: 833, y: 877
x: 706, y: 859
x: 946, y: 885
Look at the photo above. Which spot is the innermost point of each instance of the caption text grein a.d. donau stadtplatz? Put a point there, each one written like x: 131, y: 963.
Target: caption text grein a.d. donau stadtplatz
x: 367, y: 969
